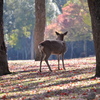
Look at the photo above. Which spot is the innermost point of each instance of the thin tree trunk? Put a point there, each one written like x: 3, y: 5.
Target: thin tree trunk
x: 72, y: 48
x: 32, y: 46
x: 94, y: 7
x: 85, y: 48
x: 39, y: 26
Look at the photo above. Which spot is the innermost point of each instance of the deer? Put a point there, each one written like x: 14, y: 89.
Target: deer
x: 55, y: 47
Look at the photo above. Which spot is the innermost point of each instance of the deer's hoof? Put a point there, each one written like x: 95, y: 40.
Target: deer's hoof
x: 50, y: 70
x: 40, y: 71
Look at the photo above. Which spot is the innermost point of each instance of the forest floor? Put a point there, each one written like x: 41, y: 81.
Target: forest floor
x: 27, y: 83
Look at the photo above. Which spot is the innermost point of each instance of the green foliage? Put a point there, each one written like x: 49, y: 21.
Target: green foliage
x: 18, y: 20
x: 26, y: 31
x: 86, y: 19
x: 13, y: 38
x: 72, y: 1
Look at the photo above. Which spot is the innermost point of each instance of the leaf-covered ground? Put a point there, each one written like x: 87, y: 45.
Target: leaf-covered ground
x: 27, y: 83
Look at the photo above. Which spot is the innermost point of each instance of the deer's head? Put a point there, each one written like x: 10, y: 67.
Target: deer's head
x: 60, y: 36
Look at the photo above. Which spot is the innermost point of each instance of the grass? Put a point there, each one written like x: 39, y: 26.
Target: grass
x: 27, y: 83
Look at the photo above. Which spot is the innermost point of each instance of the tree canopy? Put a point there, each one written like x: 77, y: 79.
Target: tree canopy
x: 73, y: 18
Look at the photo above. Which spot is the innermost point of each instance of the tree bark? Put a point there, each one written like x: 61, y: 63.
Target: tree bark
x: 3, y: 56
x: 94, y: 7
x: 39, y: 26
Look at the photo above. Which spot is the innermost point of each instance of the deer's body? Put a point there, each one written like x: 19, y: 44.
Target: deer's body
x: 57, y: 47
x: 52, y: 46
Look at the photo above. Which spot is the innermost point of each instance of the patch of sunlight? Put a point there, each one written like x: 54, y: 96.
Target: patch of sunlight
x: 18, y: 93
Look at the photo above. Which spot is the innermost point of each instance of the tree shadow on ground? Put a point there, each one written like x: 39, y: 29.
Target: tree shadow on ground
x: 34, y: 85
x: 32, y: 75
x: 61, y: 72
x: 66, y: 93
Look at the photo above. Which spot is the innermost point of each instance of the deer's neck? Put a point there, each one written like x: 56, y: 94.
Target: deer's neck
x: 60, y: 39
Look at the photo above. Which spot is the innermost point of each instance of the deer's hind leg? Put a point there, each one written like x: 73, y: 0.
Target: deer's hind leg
x: 47, y: 55
x: 42, y: 57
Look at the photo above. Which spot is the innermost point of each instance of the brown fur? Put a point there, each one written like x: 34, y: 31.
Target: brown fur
x: 57, y: 47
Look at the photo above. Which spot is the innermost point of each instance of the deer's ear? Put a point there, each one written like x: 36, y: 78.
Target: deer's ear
x: 57, y: 33
x: 65, y: 33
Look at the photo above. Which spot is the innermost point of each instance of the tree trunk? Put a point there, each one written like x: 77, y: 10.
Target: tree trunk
x: 32, y: 46
x: 3, y: 56
x: 94, y: 7
x: 39, y: 26
x: 85, y: 48
x: 72, y: 49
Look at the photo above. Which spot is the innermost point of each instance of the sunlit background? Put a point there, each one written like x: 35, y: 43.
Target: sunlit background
x: 61, y: 15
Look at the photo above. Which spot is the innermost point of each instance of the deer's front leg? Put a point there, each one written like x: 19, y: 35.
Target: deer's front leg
x: 63, y: 61
x: 58, y: 61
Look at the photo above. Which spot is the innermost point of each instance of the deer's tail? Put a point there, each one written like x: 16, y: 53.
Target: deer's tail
x: 40, y: 47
